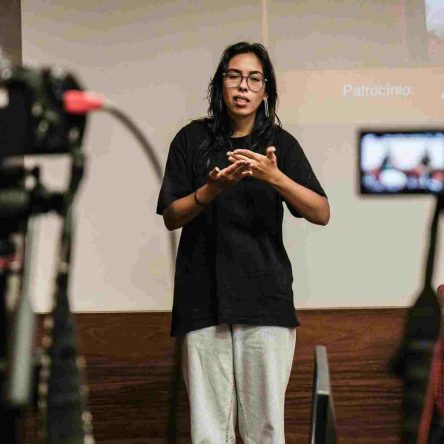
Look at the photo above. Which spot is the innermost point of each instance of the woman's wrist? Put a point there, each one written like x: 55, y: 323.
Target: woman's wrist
x: 213, y: 188
x: 198, y: 201
x: 276, y: 179
x: 205, y: 194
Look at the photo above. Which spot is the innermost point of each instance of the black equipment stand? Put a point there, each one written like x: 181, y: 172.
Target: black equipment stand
x: 60, y: 392
x: 413, y: 362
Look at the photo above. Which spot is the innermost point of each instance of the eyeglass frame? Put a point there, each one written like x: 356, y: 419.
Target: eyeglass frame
x: 241, y: 77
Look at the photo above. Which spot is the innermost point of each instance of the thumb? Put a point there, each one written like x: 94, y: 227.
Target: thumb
x: 270, y: 152
x: 214, y: 172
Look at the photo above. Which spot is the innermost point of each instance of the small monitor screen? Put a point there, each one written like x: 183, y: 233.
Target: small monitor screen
x: 401, y: 162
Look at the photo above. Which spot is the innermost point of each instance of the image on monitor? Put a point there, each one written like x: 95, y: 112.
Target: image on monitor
x: 401, y: 162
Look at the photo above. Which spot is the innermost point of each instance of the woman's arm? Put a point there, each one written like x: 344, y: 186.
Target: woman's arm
x: 307, y: 203
x: 185, y: 209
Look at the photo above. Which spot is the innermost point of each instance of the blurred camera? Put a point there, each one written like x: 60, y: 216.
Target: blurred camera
x: 32, y: 115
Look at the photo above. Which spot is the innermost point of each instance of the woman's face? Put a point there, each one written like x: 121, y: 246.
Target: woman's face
x: 240, y: 100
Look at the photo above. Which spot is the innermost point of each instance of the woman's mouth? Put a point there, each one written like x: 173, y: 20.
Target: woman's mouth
x: 240, y: 100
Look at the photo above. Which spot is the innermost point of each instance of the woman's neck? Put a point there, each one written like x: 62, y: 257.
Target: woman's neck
x: 242, y: 126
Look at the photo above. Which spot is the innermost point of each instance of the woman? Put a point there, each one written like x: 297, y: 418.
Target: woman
x: 225, y: 182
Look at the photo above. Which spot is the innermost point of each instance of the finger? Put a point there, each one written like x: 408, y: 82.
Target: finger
x: 271, y: 152
x: 239, y: 157
x: 235, y: 153
x: 242, y: 165
x: 214, y: 173
x: 238, y: 164
x: 233, y: 159
x: 248, y: 153
x: 238, y: 173
x: 247, y: 173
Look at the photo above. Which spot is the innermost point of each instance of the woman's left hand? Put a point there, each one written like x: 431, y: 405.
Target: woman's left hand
x: 260, y: 167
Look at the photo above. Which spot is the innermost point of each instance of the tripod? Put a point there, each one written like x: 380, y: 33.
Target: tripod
x: 17, y: 326
x: 60, y: 390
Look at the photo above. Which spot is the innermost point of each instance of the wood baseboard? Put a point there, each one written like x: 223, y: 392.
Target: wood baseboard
x: 130, y: 359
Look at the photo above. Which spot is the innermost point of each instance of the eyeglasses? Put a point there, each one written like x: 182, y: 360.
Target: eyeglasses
x: 255, y: 81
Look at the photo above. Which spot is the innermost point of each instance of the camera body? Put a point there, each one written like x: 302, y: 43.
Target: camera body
x: 32, y: 115
x: 34, y: 121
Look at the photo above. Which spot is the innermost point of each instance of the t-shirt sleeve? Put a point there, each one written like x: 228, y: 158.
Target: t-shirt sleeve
x: 297, y: 167
x: 176, y: 182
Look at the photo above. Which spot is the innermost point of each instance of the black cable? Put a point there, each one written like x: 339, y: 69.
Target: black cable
x: 132, y: 127
x: 150, y: 153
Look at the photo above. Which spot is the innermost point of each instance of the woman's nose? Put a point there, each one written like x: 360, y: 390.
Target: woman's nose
x: 243, y: 83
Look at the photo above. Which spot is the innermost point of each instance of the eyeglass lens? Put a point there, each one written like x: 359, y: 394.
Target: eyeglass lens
x: 255, y: 81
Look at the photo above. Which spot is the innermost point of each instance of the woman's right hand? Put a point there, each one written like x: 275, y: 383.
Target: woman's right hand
x: 185, y: 209
x: 232, y: 174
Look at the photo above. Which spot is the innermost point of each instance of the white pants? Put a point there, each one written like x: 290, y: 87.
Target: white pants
x: 237, y: 371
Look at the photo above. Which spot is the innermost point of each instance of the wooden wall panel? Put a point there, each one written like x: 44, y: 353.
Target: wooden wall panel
x: 130, y: 361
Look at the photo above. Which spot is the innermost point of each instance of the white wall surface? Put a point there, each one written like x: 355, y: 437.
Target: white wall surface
x: 154, y: 59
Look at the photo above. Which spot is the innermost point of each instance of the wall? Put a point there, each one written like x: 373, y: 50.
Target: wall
x: 154, y: 60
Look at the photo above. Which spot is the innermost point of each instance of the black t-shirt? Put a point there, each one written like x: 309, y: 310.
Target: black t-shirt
x: 231, y: 264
